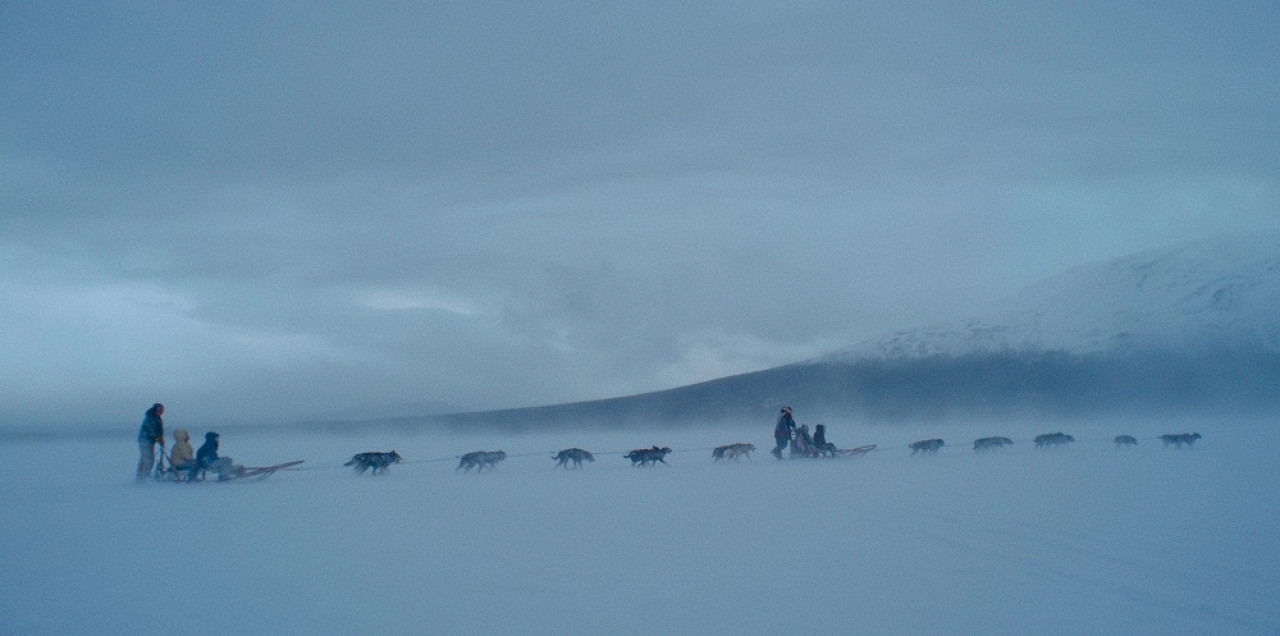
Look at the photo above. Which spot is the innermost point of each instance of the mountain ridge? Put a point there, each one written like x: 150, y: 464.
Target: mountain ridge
x: 1192, y: 326
x: 1208, y: 294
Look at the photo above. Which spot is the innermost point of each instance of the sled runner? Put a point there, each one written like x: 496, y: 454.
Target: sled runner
x: 259, y: 473
x: 803, y: 447
x: 256, y: 473
x: 853, y: 452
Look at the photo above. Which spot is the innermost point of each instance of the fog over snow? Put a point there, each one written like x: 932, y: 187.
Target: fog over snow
x: 1087, y: 539
x: 272, y: 212
x: 268, y: 213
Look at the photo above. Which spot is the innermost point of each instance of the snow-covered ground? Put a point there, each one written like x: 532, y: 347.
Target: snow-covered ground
x: 1087, y: 539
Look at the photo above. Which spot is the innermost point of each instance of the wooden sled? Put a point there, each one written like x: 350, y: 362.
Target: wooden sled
x: 853, y: 452
x: 800, y: 448
x: 255, y: 473
x: 259, y: 473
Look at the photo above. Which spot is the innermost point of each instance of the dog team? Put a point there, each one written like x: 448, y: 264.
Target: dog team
x: 785, y: 432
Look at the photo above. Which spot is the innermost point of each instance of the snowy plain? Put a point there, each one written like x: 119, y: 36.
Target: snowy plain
x: 1087, y: 539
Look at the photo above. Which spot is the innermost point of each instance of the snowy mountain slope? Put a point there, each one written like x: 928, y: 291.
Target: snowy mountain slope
x: 1209, y: 295
x: 1190, y: 327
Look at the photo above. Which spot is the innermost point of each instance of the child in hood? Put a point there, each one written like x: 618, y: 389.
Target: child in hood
x: 183, y: 454
x: 207, y: 459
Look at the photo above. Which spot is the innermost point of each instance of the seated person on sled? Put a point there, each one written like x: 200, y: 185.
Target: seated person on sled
x: 183, y: 458
x: 820, y: 445
x: 207, y: 459
x: 802, y: 443
x: 815, y: 446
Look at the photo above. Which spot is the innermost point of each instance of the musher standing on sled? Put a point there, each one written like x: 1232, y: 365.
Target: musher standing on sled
x: 782, y: 431
x: 151, y: 433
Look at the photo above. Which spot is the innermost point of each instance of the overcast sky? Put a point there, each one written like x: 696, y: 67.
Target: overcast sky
x: 257, y: 211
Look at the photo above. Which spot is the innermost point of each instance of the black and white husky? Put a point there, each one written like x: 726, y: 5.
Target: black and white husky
x: 481, y: 460
x: 377, y: 461
x: 732, y: 451
x: 1125, y: 440
x: 648, y: 456
x: 575, y: 455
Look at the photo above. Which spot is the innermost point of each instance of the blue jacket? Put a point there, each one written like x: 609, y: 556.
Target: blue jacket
x: 784, y: 426
x: 208, y: 452
x: 152, y: 428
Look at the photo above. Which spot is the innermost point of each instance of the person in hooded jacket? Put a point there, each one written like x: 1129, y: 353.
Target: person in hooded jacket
x: 782, y: 431
x: 149, y: 434
x: 183, y: 454
x: 820, y: 443
x: 207, y: 459
x: 802, y: 444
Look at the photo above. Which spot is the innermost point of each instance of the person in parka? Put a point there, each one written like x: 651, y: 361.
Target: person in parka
x: 183, y: 454
x: 802, y: 444
x: 149, y: 434
x: 782, y: 431
x: 207, y: 459
x: 820, y: 444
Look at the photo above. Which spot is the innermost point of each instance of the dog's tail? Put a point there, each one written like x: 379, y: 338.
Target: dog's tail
x: 350, y: 463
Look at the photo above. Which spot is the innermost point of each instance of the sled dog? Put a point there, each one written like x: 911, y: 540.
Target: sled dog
x: 575, y: 455
x: 648, y: 456
x: 732, y: 451
x: 990, y: 443
x: 481, y: 460
x: 377, y: 461
x: 1179, y: 439
x: 1053, y: 439
x: 1125, y: 440
x: 926, y: 446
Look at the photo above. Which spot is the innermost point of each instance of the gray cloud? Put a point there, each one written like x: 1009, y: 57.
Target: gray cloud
x: 258, y: 212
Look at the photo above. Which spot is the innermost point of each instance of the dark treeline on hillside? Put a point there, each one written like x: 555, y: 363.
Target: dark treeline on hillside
x: 995, y: 384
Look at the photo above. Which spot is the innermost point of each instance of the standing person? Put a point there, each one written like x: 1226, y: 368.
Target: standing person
x: 150, y: 434
x: 183, y: 454
x: 782, y: 431
x: 207, y: 459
